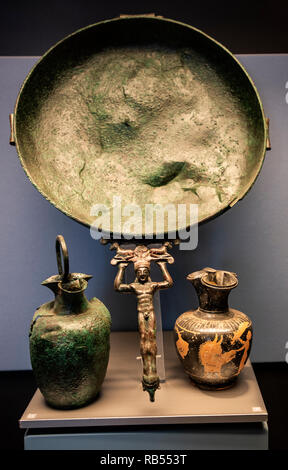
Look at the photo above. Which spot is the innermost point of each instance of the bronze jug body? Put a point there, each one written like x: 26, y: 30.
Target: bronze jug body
x: 213, y: 342
x: 69, y: 340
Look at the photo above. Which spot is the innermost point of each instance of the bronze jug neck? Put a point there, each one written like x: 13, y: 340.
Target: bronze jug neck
x: 71, y: 301
x: 67, y: 287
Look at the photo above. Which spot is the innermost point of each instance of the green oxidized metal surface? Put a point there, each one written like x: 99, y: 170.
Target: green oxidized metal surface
x: 69, y: 339
x: 145, y: 108
x: 69, y: 353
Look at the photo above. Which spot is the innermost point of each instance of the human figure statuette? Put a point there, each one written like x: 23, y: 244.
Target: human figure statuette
x: 144, y: 289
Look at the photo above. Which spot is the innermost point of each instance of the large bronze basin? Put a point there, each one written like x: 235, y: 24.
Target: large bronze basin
x: 142, y: 107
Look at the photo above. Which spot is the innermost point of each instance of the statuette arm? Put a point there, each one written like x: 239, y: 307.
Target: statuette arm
x: 118, y: 282
x: 168, y: 281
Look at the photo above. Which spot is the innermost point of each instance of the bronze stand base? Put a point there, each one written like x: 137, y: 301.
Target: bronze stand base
x: 151, y: 388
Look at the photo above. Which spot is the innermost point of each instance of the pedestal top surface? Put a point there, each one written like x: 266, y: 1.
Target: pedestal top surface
x: 122, y: 401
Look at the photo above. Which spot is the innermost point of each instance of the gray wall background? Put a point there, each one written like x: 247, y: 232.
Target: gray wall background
x: 250, y: 239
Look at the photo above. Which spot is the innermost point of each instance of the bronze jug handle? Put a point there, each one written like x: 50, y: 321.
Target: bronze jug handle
x: 62, y: 247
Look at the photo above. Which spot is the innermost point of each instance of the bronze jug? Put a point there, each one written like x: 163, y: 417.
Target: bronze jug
x: 213, y: 342
x: 69, y: 339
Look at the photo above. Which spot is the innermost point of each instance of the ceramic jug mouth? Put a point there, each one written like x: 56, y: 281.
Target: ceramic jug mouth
x: 223, y: 280
x: 199, y: 274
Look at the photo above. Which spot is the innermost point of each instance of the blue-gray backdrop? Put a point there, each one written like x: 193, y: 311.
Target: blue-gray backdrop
x: 250, y: 239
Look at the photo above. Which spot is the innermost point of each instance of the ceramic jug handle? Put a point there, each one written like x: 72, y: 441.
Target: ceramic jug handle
x: 62, y: 247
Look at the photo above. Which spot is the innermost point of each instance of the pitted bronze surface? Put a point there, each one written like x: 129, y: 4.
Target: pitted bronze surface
x: 145, y: 108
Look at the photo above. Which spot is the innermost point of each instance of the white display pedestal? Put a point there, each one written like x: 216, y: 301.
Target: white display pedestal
x: 182, y: 416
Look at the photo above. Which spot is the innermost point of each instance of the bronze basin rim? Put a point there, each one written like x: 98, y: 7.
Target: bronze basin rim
x: 244, y: 190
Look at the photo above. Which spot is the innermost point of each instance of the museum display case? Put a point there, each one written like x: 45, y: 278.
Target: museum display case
x: 154, y: 112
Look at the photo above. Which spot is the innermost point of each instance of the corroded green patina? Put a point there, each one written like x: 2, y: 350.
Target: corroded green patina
x: 69, y: 343
x: 145, y: 108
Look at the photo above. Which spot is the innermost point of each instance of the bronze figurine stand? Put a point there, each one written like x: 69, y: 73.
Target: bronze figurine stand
x: 144, y: 288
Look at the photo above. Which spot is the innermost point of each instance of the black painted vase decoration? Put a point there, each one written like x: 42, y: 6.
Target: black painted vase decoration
x: 69, y: 339
x: 213, y: 342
